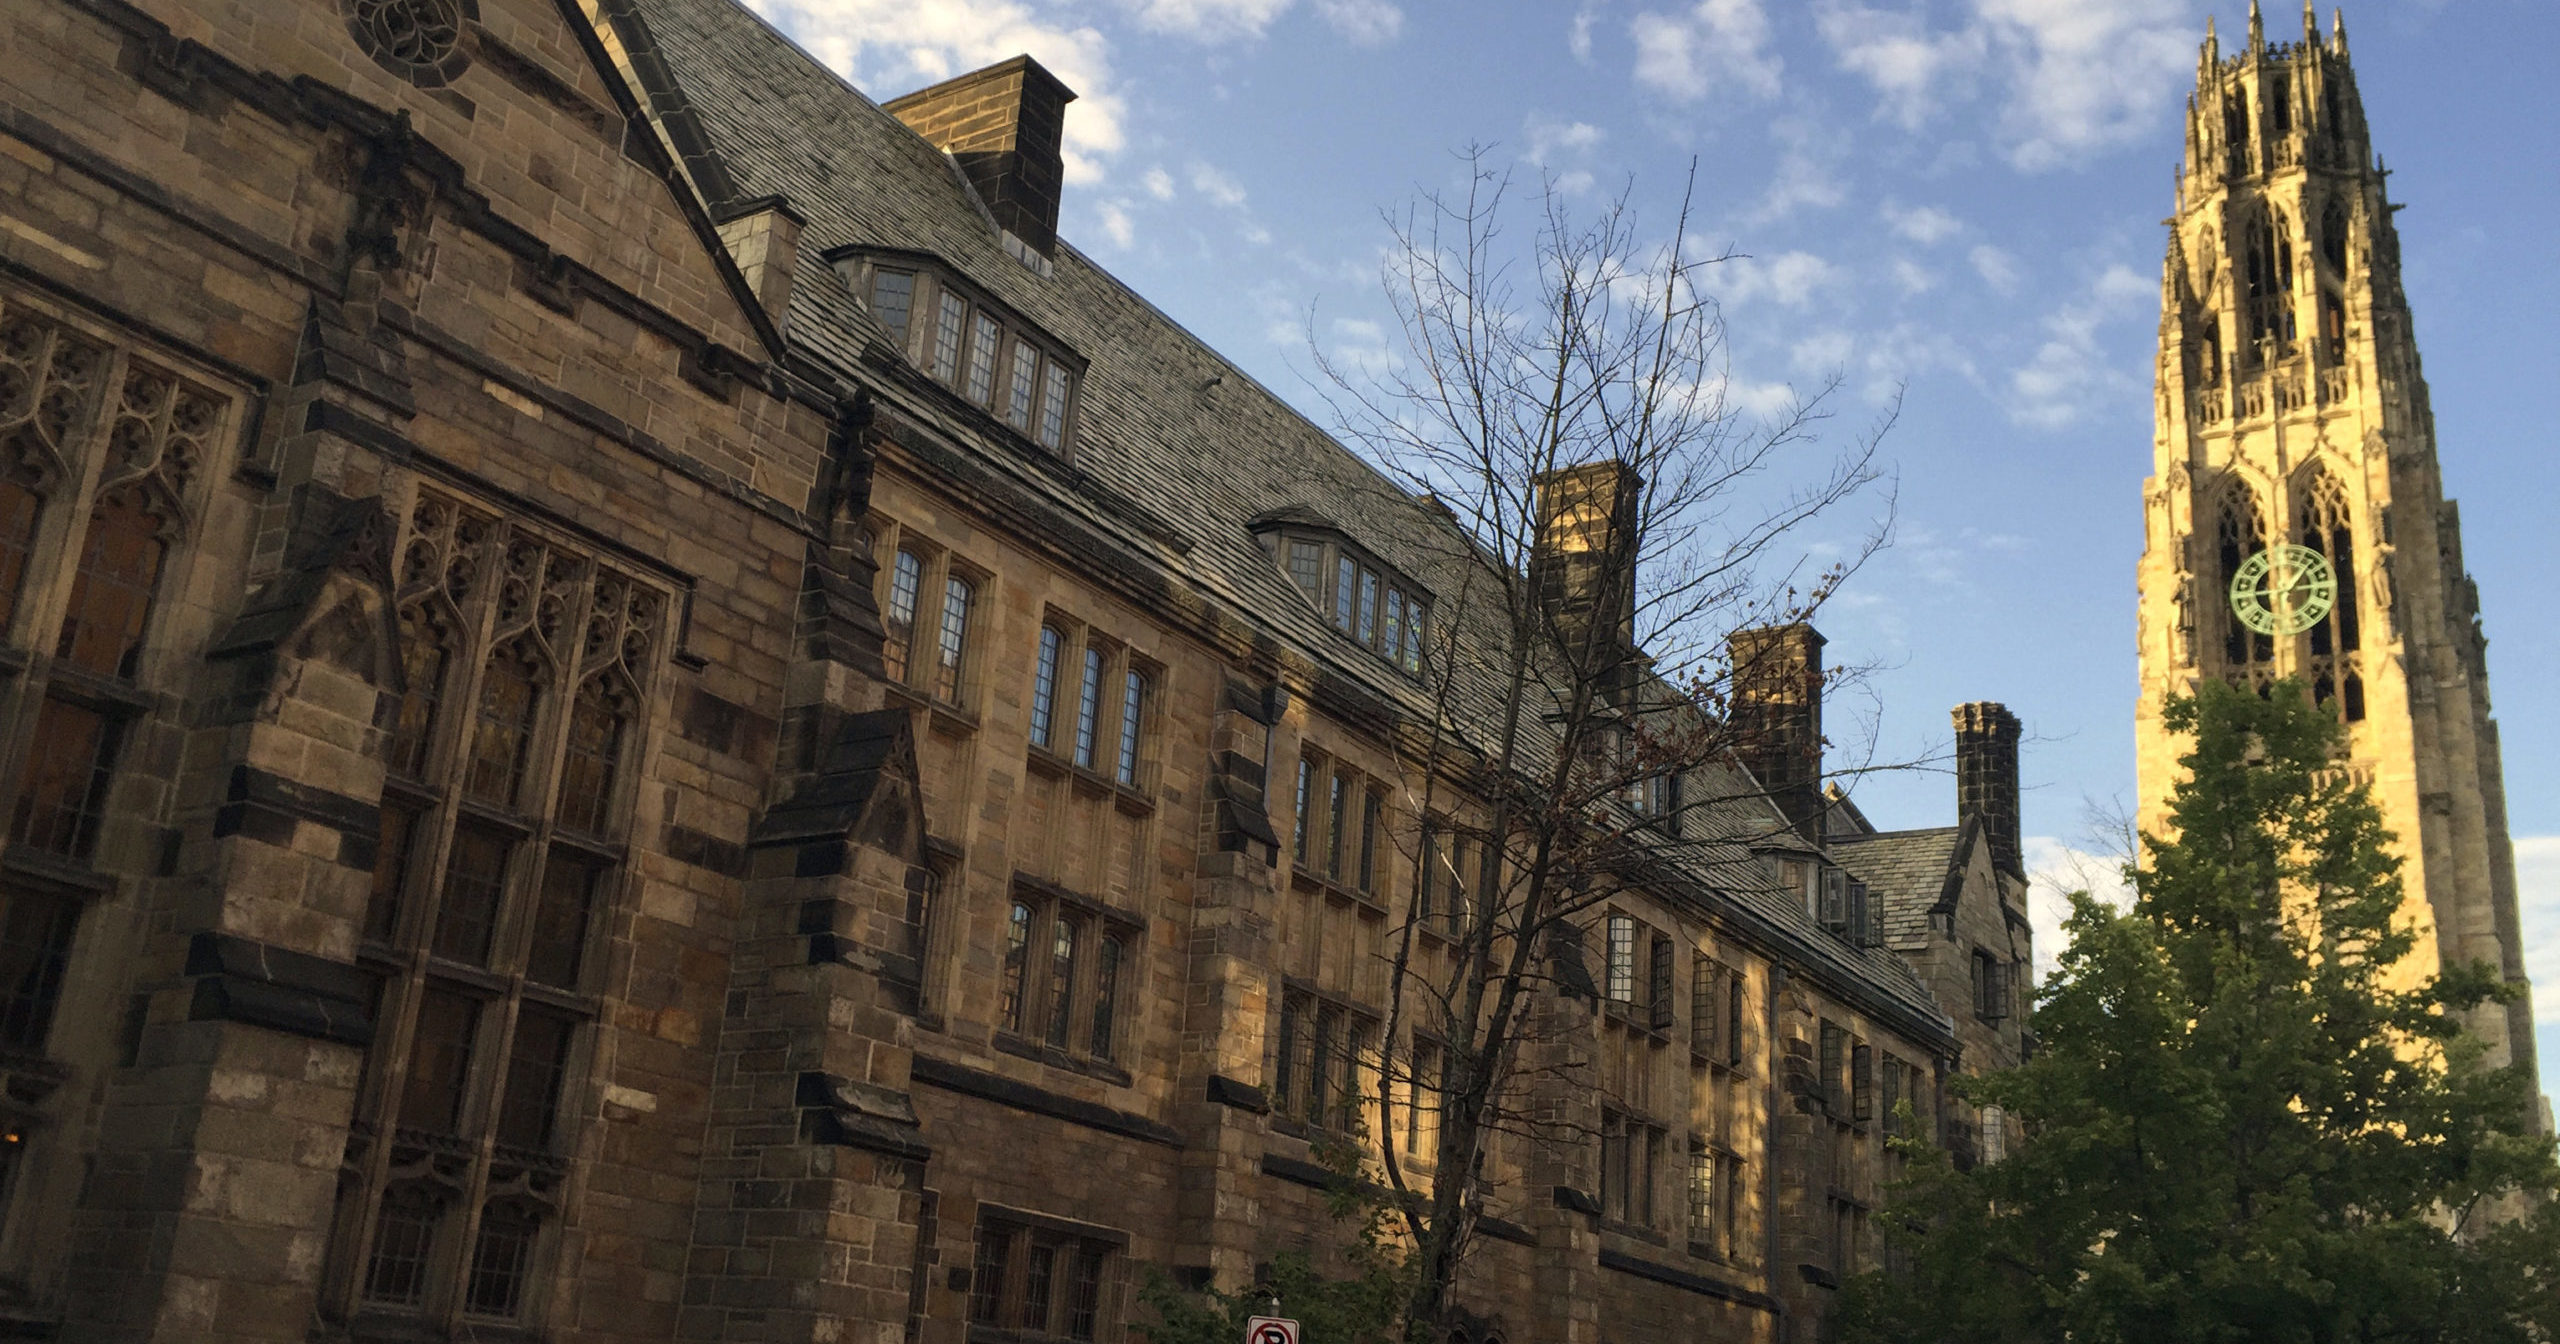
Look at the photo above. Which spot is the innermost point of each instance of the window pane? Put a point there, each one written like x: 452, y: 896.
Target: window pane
x: 986, y: 1275
x: 1106, y: 996
x: 439, y: 1062
x: 1044, y: 686
x: 475, y: 875
x: 510, y: 697
x: 1306, y: 568
x: 35, y: 944
x: 982, y: 358
x: 390, y: 872
x: 403, y: 1235
x: 1017, y: 960
x: 499, y: 1258
x: 893, y: 299
x: 534, y: 1070
x: 946, y: 337
x: 1039, y: 1283
x: 1084, y: 1298
x: 956, y: 593
x: 19, y: 504
x: 1285, y: 1069
x: 426, y: 644
x: 1017, y: 408
x: 111, y: 597
x: 1391, y: 637
x: 1346, y: 591
x: 62, y: 793
x: 1416, y: 621
x: 1368, y: 631
x: 560, y: 921
x: 906, y: 578
x: 1062, y: 978
x: 1089, y: 707
x: 1337, y: 817
x: 1133, y: 710
x: 1622, y: 959
x: 1305, y: 805
x: 1053, y: 406
x: 1369, y: 811
x: 594, y: 760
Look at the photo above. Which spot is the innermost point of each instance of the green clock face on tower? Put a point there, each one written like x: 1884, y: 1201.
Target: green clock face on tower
x: 2284, y: 590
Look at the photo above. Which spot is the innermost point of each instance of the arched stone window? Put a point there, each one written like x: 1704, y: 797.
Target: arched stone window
x: 2326, y: 525
x: 2238, y: 534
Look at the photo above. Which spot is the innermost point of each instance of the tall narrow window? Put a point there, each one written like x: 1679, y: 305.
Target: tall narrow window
x: 982, y: 358
x: 1089, y: 706
x: 47, y: 380
x: 1044, y: 686
x: 1346, y: 592
x: 439, y: 1062
x: 1106, y: 996
x: 510, y: 695
x: 2238, y: 536
x: 893, y: 298
x: 1064, y: 940
x: 1658, y: 985
x: 1305, y: 807
x: 1702, y: 1194
x: 1391, y: 636
x: 426, y: 648
x: 906, y: 583
x: 475, y: 878
x: 499, y: 1261
x: 597, y: 723
x: 1053, y: 406
x: 62, y: 792
x: 1022, y: 386
x: 1133, y: 718
x: 1422, y: 1116
x: 390, y: 872
x: 18, y: 506
x: 956, y: 596
x: 950, y: 317
x: 111, y: 594
x: 560, y: 915
x: 1621, y: 979
x: 1017, y: 964
x: 1368, y: 631
x: 1337, y: 828
x: 1306, y: 568
x: 1371, y: 807
x: 535, y: 1066
x: 35, y: 945
x: 1834, y: 1060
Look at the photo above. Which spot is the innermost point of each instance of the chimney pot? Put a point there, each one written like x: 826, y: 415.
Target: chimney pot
x: 1582, y: 565
x: 1004, y: 126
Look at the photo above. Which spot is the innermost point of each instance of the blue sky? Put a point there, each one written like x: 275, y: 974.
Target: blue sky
x: 1958, y: 197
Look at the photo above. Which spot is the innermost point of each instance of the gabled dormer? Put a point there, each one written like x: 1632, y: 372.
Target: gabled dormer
x: 991, y: 356
x: 1364, y: 597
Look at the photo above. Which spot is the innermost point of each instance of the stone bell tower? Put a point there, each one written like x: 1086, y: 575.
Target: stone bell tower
x: 2291, y: 412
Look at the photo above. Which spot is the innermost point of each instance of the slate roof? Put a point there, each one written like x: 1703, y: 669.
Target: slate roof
x: 1177, y: 450
x: 1918, y: 872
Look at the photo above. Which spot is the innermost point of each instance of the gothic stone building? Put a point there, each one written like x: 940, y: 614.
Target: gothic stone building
x: 2294, y: 424
x: 633, y: 707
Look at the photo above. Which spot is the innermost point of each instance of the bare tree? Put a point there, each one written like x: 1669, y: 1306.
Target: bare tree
x: 1619, y: 521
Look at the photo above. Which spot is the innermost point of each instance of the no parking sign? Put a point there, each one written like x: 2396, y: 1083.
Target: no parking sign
x: 1270, y: 1330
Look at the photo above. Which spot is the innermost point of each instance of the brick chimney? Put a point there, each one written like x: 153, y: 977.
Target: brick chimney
x: 1777, y: 718
x: 1987, y: 778
x: 1583, y: 564
x: 1003, y: 125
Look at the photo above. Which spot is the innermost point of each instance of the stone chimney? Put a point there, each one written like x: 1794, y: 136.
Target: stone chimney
x: 1583, y: 564
x: 1003, y: 125
x: 1777, y: 718
x: 763, y: 237
x: 1987, y: 778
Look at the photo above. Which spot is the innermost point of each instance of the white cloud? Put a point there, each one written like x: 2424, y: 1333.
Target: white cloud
x: 1158, y: 183
x: 1207, y: 20
x: 1821, y: 352
x: 1926, y: 225
x: 1997, y: 268
x: 2055, y: 869
x: 1548, y: 137
x: 1789, y: 279
x: 1221, y: 188
x: 1808, y: 150
x: 2068, y: 374
x: 1578, y: 38
x: 2089, y: 75
x: 1913, y: 277
x: 1115, y: 222
x: 1368, y: 23
x: 889, y: 47
x: 1897, y: 54
x: 1717, y: 43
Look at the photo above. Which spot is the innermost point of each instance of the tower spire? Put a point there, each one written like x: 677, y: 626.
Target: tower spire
x: 2257, y: 30
x: 2310, y: 24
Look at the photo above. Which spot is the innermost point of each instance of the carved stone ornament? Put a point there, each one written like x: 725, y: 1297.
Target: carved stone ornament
x: 419, y: 40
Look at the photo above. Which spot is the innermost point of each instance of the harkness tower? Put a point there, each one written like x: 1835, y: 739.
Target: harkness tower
x: 2295, y: 522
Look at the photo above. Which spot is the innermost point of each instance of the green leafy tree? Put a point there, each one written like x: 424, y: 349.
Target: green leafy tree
x: 2248, y: 1118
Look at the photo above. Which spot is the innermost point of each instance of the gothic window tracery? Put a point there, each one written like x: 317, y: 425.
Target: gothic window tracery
x: 527, y: 664
x: 421, y: 41
x: 2325, y: 526
x: 2238, y: 534
x: 2269, y: 274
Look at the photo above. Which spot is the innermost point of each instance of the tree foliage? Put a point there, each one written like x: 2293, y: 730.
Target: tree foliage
x: 2250, y: 1116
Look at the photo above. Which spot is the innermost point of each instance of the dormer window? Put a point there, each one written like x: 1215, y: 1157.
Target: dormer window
x: 971, y: 344
x: 1365, y: 599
